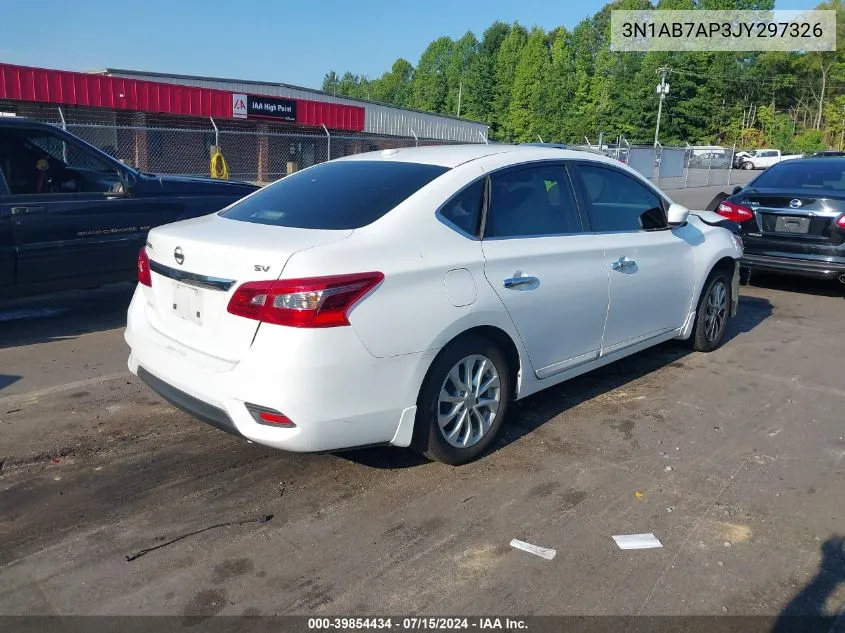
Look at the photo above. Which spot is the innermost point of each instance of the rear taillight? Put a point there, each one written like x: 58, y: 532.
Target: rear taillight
x: 311, y: 302
x: 735, y: 212
x: 840, y: 221
x: 144, y: 276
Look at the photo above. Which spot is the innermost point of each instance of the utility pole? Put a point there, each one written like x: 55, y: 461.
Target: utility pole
x: 460, y: 91
x: 662, y: 90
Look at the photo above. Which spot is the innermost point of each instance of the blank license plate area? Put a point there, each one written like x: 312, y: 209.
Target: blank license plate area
x: 187, y: 302
x: 787, y: 224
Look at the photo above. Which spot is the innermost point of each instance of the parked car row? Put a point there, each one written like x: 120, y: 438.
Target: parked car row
x: 402, y: 297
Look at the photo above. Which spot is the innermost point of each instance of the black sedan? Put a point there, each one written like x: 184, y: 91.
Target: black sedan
x: 792, y: 218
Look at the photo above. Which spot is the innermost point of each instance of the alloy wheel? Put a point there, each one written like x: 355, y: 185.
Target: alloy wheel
x: 715, y: 316
x: 469, y: 400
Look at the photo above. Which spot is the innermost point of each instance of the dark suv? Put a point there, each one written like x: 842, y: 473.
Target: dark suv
x: 792, y: 218
x: 71, y: 216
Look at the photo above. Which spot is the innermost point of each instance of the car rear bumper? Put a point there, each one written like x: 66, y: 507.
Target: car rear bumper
x: 337, y: 394
x: 806, y: 267
x: 209, y: 414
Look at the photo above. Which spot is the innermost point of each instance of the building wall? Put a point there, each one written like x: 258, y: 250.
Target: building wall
x: 378, y: 118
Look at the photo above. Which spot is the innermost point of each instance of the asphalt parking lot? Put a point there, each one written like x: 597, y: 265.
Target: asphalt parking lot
x: 734, y: 460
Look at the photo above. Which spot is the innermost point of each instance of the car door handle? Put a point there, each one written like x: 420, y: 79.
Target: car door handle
x: 26, y: 210
x: 515, y: 283
x: 623, y: 263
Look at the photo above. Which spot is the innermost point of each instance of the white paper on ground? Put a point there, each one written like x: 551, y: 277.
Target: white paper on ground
x: 542, y: 552
x: 637, y: 541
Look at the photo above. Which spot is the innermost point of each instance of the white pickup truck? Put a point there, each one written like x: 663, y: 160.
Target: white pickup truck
x: 764, y: 158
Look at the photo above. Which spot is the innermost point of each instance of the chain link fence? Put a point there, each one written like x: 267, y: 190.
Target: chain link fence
x: 675, y: 167
x: 264, y: 152
x: 260, y: 153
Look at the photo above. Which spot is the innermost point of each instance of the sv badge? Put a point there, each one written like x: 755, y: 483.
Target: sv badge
x: 261, y: 269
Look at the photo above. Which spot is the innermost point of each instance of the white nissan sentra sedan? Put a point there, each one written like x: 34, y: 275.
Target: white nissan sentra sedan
x: 405, y: 297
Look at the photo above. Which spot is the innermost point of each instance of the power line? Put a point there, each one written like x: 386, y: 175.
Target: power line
x: 750, y: 79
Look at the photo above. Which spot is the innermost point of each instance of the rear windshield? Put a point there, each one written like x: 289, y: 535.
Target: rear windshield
x: 812, y: 175
x: 336, y: 195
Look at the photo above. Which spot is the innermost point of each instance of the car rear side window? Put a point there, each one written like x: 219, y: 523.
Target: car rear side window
x: 464, y: 210
x: 337, y: 195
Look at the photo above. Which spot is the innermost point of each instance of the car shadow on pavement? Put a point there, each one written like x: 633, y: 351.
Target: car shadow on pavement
x: 527, y: 415
x: 63, y: 315
x: 806, y: 611
x: 6, y: 380
x: 804, y: 285
x: 752, y: 312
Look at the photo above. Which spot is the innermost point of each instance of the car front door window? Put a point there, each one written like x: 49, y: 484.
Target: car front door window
x: 617, y: 202
x: 38, y: 162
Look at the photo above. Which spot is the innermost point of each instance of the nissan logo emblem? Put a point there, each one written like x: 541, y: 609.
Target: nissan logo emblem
x: 178, y: 255
x: 795, y: 203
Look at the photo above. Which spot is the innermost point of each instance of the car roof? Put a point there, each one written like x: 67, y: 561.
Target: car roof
x: 815, y: 160
x: 454, y: 155
x: 15, y: 121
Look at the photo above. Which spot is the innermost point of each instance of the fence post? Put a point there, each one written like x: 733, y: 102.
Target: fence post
x: 731, y: 165
x: 416, y: 140
x: 709, y: 167
x: 216, y: 133
x: 64, y: 127
x: 328, y: 143
x: 687, y: 159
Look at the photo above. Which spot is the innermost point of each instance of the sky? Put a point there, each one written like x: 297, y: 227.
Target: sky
x: 293, y: 42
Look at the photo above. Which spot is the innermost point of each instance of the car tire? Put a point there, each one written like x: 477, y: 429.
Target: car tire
x: 747, y: 165
x: 712, y: 313
x: 449, y: 414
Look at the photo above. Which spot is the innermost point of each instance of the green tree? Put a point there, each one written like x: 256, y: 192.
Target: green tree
x: 504, y: 71
x: 464, y: 53
x: 394, y: 86
x: 330, y: 82
x: 430, y: 84
x: 525, y: 107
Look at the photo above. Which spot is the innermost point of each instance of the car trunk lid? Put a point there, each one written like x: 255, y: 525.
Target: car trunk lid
x: 806, y: 216
x: 198, y: 264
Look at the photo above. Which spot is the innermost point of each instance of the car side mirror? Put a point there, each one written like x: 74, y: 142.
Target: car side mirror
x: 677, y: 214
x: 737, y: 189
x: 128, y: 178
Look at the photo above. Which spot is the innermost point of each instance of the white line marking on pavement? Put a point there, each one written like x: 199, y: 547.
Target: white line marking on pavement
x: 68, y: 386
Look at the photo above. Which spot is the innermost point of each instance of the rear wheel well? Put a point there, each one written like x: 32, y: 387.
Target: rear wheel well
x: 504, y: 342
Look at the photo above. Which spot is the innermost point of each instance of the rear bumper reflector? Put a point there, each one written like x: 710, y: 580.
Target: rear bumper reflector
x: 269, y: 417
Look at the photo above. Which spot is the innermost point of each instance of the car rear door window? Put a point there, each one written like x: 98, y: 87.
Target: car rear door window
x: 337, y: 195
x: 617, y: 202
x: 531, y: 202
